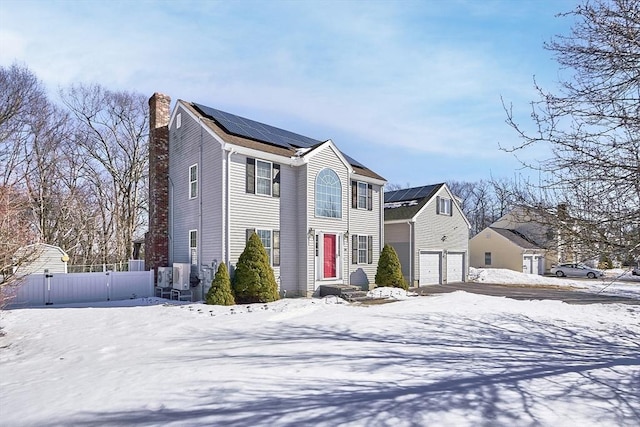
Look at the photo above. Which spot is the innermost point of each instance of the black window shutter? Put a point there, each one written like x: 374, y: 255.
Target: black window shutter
x: 438, y: 204
x: 275, y: 187
x: 370, y: 197
x: 354, y: 249
x: 250, y: 231
x: 354, y: 194
x: 276, y: 248
x: 450, y: 207
x: 251, y: 175
x: 370, y: 249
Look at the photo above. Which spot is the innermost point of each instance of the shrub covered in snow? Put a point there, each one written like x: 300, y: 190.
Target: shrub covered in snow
x: 254, y: 280
x: 220, y: 292
x: 389, y: 271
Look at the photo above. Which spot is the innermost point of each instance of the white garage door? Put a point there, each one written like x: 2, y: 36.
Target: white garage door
x: 455, y: 267
x: 430, y: 268
x: 533, y: 264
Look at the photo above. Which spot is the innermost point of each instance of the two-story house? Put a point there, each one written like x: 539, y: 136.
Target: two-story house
x: 215, y: 178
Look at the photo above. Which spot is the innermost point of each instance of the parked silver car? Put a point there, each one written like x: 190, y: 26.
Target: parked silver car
x: 576, y: 270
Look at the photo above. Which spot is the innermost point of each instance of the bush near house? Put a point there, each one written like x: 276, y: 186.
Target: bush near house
x: 254, y: 280
x: 220, y: 292
x: 389, y: 271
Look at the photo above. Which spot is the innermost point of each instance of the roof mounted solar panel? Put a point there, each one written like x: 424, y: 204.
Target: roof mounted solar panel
x: 414, y: 193
x: 247, y: 128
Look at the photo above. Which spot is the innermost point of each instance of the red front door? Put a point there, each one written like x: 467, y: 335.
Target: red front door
x: 329, y: 256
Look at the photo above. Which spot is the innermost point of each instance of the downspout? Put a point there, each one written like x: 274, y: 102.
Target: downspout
x: 226, y: 212
x: 171, y: 209
x: 201, y: 196
x: 411, y: 254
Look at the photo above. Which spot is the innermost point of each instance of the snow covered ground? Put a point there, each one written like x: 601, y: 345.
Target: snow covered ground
x: 444, y: 360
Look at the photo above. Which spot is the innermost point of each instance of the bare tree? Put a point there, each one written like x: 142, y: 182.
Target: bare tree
x: 591, y: 129
x: 112, y: 132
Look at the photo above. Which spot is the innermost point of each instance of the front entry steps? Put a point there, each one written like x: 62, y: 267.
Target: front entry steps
x: 348, y: 293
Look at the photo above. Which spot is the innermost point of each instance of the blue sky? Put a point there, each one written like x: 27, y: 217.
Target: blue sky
x: 411, y: 89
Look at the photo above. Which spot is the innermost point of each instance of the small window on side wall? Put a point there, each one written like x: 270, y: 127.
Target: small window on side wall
x: 443, y: 206
x: 193, y: 181
x: 487, y: 258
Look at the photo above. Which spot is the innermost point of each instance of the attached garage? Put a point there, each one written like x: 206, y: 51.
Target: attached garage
x: 430, y: 268
x: 455, y: 267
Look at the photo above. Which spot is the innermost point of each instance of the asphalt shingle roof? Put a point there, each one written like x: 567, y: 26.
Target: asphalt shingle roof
x: 517, y: 238
x: 288, y: 150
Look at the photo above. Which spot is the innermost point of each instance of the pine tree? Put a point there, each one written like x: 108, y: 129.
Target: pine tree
x: 389, y: 271
x: 220, y: 292
x: 254, y: 280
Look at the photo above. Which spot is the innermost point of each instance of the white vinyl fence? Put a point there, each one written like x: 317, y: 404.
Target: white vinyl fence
x: 46, y: 289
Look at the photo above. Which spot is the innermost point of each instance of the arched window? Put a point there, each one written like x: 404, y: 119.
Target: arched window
x: 328, y: 194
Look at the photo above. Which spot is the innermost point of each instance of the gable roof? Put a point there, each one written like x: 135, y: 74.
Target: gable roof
x: 406, y: 203
x: 517, y: 238
x: 249, y: 133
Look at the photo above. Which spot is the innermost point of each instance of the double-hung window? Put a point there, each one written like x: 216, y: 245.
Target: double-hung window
x: 193, y: 181
x: 444, y: 206
x: 361, y: 195
x: 361, y: 249
x: 263, y: 178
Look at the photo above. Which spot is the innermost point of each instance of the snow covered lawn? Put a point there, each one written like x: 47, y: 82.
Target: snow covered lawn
x: 444, y: 360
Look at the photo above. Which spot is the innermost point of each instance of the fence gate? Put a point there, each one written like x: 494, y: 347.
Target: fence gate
x: 48, y: 289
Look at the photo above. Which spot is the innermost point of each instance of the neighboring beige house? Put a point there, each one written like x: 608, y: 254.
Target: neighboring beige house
x: 215, y: 178
x: 41, y: 258
x: 503, y: 248
x: 430, y: 233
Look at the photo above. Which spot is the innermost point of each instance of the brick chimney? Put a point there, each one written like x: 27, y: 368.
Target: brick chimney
x: 157, y: 238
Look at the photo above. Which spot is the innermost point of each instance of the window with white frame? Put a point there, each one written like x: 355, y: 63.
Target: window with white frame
x: 328, y: 194
x: 361, y: 249
x: 193, y: 181
x: 178, y: 120
x: 193, y: 247
x: 444, y: 206
x: 363, y: 195
x: 262, y: 177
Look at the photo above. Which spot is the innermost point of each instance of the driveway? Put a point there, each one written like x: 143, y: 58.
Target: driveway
x: 528, y: 292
